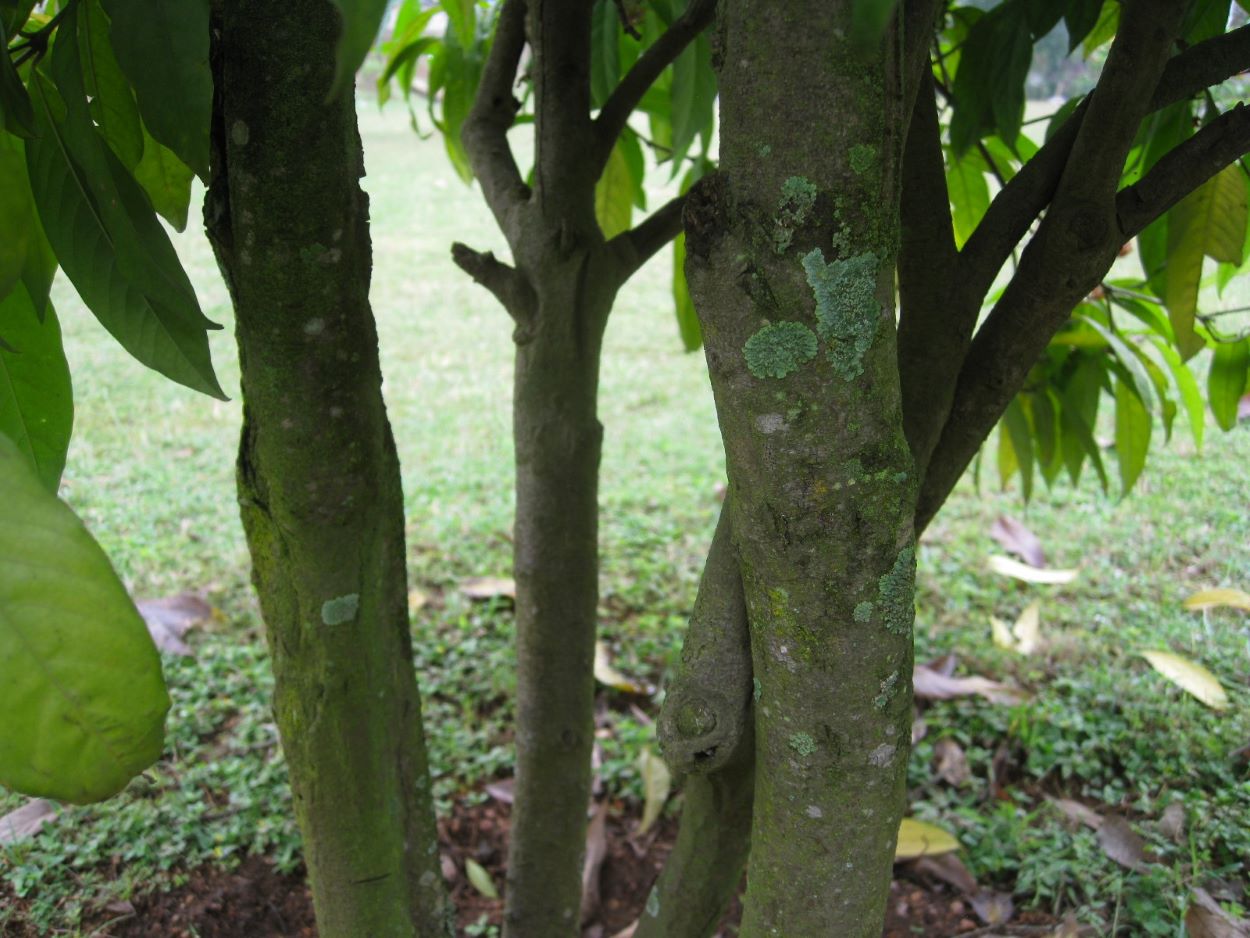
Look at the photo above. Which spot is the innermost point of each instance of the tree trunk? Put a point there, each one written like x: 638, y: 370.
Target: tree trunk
x: 318, y: 477
x: 791, y: 249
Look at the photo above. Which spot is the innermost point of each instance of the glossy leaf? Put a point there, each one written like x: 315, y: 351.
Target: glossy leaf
x: 1191, y: 677
x: 969, y: 194
x: 113, y: 104
x: 112, y: 247
x: 163, y: 50
x: 1226, y: 381
x: 614, y: 194
x: 919, y: 839
x: 85, y: 702
x: 1132, y: 434
x: 36, y: 397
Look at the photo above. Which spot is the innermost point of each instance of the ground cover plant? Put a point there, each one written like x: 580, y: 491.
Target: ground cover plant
x: 833, y: 465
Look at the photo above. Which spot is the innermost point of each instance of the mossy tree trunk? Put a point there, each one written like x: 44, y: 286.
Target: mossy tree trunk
x: 790, y: 258
x: 318, y: 477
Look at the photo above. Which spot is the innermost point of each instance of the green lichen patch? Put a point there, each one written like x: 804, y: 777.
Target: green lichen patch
x: 798, y: 198
x: 779, y: 349
x: 758, y: 688
x: 847, y: 312
x: 863, y: 611
x: 340, y: 609
x: 863, y: 158
x: 889, y: 687
x: 897, y: 590
x: 803, y: 744
x: 653, y: 903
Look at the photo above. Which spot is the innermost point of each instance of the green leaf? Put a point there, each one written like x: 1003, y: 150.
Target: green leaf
x: 1080, y: 19
x: 17, y: 218
x: 14, y: 14
x: 1187, y: 388
x: 84, y: 699
x: 361, y: 19
x: 112, y: 102
x: 1078, y: 415
x: 1017, y: 424
x: 108, y: 239
x: 614, y: 195
x: 1132, y: 434
x: 869, y: 18
x: 969, y: 194
x: 1210, y: 221
x: 16, y: 114
x: 166, y: 180
x: 693, y: 95
x: 687, y: 320
x: 462, y: 16
x: 1226, y: 381
x: 480, y: 879
x: 163, y: 49
x: 1105, y: 29
x: 36, y: 397
x: 989, y: 86
x: 604, y: 51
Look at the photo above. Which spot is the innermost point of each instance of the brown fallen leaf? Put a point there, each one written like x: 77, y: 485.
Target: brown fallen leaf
x: 952, y: 762
x: 1205, y: 919
x: 503, y: 791
x: 993, y: 908
x: 1172, y: 822
x: 26, y: 821
x: 1121, y: 843
x: 448, y: 866
x: 483, y: 588
x: 1016, y: 539
x: 948, y: 868
x: 169, y: 619
x: 596, y: 852
x: 1078, y: 812
x: 932, y: 685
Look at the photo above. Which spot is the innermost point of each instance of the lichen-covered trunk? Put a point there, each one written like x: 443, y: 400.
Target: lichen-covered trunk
x: 556, y: 565
x: 318, y: 477
x: 790, y: 260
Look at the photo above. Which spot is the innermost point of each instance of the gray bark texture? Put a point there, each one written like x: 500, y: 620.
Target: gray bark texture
x: 790, y: 257
x: 318, y: 477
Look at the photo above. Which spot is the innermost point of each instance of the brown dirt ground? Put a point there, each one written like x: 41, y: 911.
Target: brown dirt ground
x: 256, y: 901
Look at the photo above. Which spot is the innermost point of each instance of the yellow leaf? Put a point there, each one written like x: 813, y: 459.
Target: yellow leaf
x: 1001, y: 633
x: 657, y: 781
x: 606, y: 674
x: 1211, y: 599
x: 1025, y: 636
x: 1190, y: 677
x: 1022, y: 571
x: 918, y: 839
x: 480, y: 878
x: 614, y: 195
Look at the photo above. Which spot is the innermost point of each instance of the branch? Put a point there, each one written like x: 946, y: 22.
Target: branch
x: 635, y: 247
x: 485, y: 130
x: 1028, y: 193
x: 507, y: 284
x: 662, y: 53
x: 919, y: 24
x: 1184, y: 168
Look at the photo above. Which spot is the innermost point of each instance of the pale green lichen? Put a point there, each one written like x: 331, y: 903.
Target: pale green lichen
x: 653, y: 903
x: 341, y: 609
x: 863, y: 158
x: 897, y: 593
x: 798, y: 198
x: 758, y: 688
x: 764, y: 149
x: 863, y: 611
x: 889, y: 687
x: 779, y: 349
x: 803, y: 744
x: 847, y: 312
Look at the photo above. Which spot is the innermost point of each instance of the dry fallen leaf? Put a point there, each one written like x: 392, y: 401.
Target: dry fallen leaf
x: 1172, y: 822
x: 483, y: 588
x: 26, y: 821
x: 1121, y: 843
x: 1019, y: 540
x: 952, y: 762
x: 1025, y: 636
x: 1205, y: 919
x: 1078, y: 812
x: 1022, y: 571
x: 480, y: 879
x: 503, y: 791
x: 948, y: 868
x: 657, y: 782
x: 932, y: 685
x: 169, y: 618
x: 1213, y: 599
x: 993, y: 908
x: 606, y: 674
x: 448, y: 866
x: 918, y: 839
x: 596, y: 852
x: 1190, y: 677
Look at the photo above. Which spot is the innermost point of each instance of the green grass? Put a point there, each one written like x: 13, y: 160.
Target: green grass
x: 150, y: 470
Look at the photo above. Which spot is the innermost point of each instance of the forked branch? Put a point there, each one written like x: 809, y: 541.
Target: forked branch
x: 635, y: 247
x: 508, y: 285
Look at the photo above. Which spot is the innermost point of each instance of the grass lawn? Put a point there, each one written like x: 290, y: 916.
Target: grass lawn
x: 150, y: 471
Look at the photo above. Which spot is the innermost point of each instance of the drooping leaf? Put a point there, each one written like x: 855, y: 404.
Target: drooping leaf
x: 163, y: 50
x: 969, y: 194
x: 360, y: 22
x: 1187, y: 388
x: 1080, y: 18
x: 36, y: 397
x: 1132, y: 434
x: 920, y: 839
x: 462, y: 16
x: 989, y: 85
x: 14, y: 13
x: 113, y: 104
x: 1017, y: 425
x: 1006, y: 566
x: 693, y: 94
x: 605, y: 68
x: 1209, y: 222
x: 166, y: 180
x: 614, y: 195
x: 1190, y: 677
x: 17, y: 215
x: 687, y: 320
x: 85, y: 702
x: 108, y: 239
x: 480, y: 879
x: 1226, y: 381
x: 16, y: 114
x: 657, y: 782
x: 1215, y: 598
x: 1104, y: 29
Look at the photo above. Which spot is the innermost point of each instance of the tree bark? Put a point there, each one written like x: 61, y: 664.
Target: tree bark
x: 790, y: 259
x: 318, y: 476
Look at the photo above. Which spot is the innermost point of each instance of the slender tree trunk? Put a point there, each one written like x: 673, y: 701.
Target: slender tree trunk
x: 791, y: 250
x: 318, y: 476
